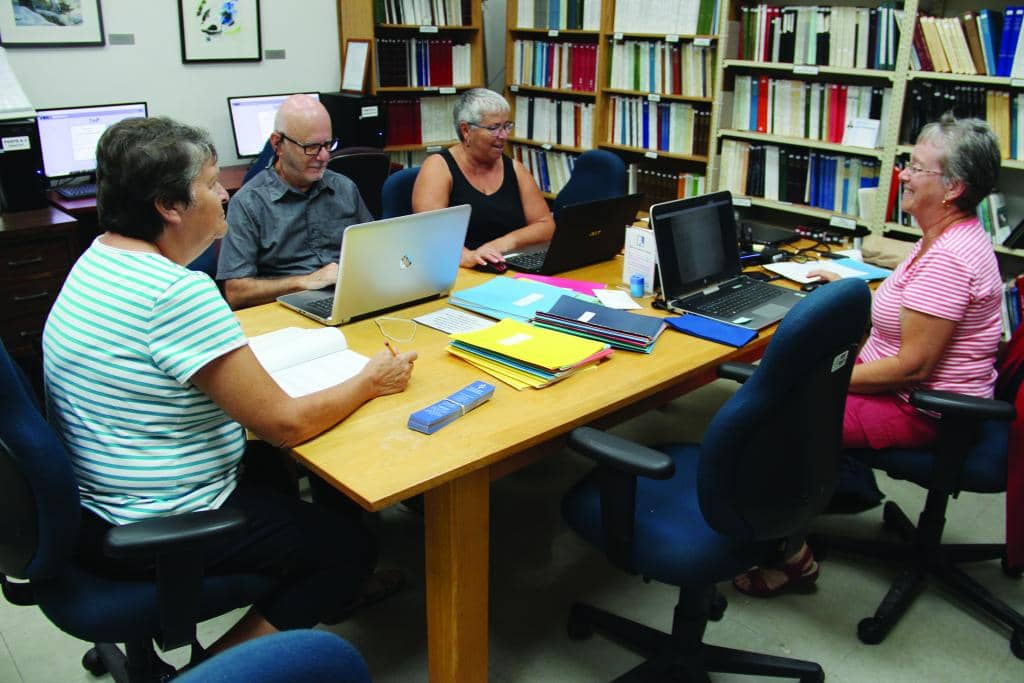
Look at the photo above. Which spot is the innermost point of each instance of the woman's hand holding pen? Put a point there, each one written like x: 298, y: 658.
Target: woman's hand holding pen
x: 388, y: 371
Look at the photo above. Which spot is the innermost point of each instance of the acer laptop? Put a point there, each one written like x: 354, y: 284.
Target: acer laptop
x: 699, y: 264
x: 389, y: 263
x: 585, y: 233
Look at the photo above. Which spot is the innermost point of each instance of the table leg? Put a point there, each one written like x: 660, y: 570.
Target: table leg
x: 457, y: 563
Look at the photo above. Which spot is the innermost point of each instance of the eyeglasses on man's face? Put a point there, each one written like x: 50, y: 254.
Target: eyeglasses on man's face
x: 311, y: 149
x: 497, y: 128
x: 915, y: 169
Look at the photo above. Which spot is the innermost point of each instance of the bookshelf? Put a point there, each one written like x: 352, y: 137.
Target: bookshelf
x: 419, y: 60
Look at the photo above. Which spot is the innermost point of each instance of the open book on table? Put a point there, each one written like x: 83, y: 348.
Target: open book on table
x: 303, y: 361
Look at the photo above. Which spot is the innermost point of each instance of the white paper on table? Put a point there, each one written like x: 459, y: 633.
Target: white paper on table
x: 797, y: 272
x: 616, y: 298
x: 452, y: 320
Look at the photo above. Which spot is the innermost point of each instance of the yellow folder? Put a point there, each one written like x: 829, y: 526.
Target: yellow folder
x: 554, y: 351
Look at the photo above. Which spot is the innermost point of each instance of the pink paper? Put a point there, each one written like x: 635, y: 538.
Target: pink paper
x: 575, y: 285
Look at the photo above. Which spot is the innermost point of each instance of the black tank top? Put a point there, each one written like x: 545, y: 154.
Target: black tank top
x: 493, y: 214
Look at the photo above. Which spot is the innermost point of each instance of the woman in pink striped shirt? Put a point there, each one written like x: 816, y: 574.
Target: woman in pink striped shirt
x: 935, y: 321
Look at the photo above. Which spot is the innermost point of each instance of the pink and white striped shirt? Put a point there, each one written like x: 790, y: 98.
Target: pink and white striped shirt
x: 956, y: 279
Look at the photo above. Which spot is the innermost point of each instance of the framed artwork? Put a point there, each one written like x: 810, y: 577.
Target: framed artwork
x: 51, y: 23
x: 219, y: 30
x: 353, y: 74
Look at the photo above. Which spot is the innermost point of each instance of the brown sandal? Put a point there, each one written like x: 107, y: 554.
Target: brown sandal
x: 801, y: 574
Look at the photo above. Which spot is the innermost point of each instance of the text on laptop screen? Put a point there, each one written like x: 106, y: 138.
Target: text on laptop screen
x: 704, y: 238
x: 252, y: 120
x: 68, y: 136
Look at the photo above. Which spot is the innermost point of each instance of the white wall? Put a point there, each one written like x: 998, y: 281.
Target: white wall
x: 151, y: 69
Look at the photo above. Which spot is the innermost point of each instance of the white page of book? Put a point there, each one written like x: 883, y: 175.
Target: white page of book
x: 304, y: 361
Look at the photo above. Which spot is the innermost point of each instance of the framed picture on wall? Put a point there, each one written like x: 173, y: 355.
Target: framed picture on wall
x: 219, y: 31
x: 353, y: 74
x: 47, y: 23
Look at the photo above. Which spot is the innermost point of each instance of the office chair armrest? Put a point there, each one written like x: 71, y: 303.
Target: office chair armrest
x: 183, y: 533
x: 739, y: 372
x: 953, y: 405
x: 621, y: 454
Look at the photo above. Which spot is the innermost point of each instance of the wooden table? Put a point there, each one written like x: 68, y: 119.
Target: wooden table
x: 377, y: 461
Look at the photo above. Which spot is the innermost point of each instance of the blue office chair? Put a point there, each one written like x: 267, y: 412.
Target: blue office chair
x: 596, y: 174
x: 396, y: 195
x: 368, y: 168
x: 207, y: 261
x: 39, y: 506
x: 971, y: 455
x: 303, y: 656
x: 691, y: 515
x: 265, y: 158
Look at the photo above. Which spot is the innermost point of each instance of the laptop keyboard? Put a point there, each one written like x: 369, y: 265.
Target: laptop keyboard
x: 729, y: 302
x: 321, y: 307
x: 532, y: 261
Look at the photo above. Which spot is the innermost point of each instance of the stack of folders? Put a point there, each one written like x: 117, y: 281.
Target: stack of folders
x: 428, y: 420
x: 506, y: 297
x: 621, y: 329
x: 525, y: 356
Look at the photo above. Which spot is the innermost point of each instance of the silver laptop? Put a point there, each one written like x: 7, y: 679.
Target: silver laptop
x: 699, y: 264
x: 389, y: 263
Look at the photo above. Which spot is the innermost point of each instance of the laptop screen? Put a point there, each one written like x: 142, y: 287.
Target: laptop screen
x: 696, y: 241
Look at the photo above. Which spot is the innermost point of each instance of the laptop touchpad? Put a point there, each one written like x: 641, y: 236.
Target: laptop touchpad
x: 771, y: 310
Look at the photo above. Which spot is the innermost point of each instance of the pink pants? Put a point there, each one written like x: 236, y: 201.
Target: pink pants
x: 885, y: 421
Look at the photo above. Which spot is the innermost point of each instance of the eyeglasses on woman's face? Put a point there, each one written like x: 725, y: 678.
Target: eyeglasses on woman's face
x: 496, y: 128
x: 916, y: 169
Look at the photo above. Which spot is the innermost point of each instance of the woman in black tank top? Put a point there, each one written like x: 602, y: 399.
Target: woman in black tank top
x: 509, y: 211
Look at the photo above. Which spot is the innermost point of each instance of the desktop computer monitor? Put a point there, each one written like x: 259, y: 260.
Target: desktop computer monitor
x: 252, y: 120
x: 68, y: 136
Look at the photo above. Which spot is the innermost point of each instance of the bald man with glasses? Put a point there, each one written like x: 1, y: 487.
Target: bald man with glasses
x: 286, y: 224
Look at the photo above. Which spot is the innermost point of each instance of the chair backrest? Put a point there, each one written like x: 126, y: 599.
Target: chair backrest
x: 368, y: 168
x: 266, y: 156
x: 207, y: 261
x: 769, y: 460
x: 396, y: 194
x: 39, y: 504
x: 596, y: 174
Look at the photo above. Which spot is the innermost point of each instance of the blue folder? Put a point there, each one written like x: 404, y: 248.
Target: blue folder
x: 712, y: 330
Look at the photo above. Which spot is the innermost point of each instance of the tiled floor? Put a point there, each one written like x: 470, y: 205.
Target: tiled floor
x: 538, y: 568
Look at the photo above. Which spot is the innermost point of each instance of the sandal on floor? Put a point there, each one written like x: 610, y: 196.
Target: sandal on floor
x: 380, y: 586
x: 801, y: 574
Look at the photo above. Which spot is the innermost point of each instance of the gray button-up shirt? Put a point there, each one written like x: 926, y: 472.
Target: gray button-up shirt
x: 274, y: 230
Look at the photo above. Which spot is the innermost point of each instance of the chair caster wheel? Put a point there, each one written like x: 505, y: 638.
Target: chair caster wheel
x: 870, y: 631
x: 93, y: 663
x: 717, y: 609
x: 1012, y: 572
x: 579, y: 629
x: 1017, y: 644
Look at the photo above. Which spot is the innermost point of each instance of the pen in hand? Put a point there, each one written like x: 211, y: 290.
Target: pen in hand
x: 390, y: 348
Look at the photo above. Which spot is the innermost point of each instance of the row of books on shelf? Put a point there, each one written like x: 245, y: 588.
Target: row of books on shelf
x: 991, y: 214
x: 661, y: 185
x: 419, y: 62
x: 548, y: 64
x: 827, y: 181
x: 550, y: 168
x: 1013, y: 305
x: 423, y: 12
x: 559, y: 14
x: 982, y: 42
x: 661, y: 67
x: 845, y: 37
x: 1003, y: 110
x: 419, y: 121
x: 683, y: 18
x: 559, y: 122
x: 816, y: 111
x: 674, y: 127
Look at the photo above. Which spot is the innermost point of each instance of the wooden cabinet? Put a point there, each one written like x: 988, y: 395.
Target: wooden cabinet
x: 37, y: 249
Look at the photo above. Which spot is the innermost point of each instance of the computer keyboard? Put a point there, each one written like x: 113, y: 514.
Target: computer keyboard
x: 76, y: 191
x: 322, y: 307
x: 727, y: 302
x: 530, y: 261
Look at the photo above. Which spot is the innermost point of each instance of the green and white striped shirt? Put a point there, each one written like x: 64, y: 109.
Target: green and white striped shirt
x: 123, y: 339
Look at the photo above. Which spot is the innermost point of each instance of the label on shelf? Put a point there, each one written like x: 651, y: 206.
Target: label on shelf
x: 654, y: 97
x: 514, y: 88
x: 553, y: 33
x: 1017, y: 82
x: 672, y: 38
x: 617, y: 35
x: 432, y: 148
x: 702, y: 42
x: 448, y: 90
x: 651, y: 155
x: 842, y: 222
x: 740, y: 201
x: 369, y: 112
x: 547, y: 146
x: 805, y: 70
x: 432, y: 88
x: 428, y: 29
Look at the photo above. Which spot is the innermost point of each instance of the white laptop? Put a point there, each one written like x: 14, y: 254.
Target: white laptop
x: 389, y: 263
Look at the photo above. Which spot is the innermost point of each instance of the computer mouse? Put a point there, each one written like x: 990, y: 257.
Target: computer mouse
x: 499, y: 267
x: 811, y: 286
